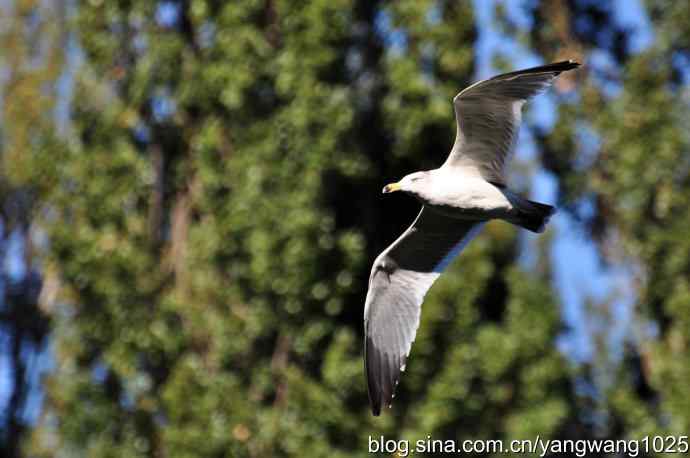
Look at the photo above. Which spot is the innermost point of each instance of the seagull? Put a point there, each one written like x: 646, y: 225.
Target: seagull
x: 457, y: 199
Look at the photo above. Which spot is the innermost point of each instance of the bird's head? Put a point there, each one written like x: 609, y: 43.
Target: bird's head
x: 411, y: 183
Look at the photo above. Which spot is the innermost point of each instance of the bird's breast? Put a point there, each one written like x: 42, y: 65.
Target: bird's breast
x: 468, y: 198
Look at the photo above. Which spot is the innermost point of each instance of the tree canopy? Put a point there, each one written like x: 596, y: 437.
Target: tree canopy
x: 193, y: 188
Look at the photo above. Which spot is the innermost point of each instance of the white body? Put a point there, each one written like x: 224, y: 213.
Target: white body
x: 462, y: 194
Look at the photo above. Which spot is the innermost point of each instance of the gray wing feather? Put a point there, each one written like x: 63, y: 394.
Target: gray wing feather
x: 488, y: 115
x: 399, y: 280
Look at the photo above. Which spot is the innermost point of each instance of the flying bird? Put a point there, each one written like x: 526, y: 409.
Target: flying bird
x: 458, y: 198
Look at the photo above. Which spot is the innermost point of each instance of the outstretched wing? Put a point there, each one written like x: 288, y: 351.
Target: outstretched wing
x: 399, y: 280
x: 488, y: 115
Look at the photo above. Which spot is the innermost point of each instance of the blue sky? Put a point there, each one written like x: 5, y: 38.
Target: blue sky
x: 579, y: 274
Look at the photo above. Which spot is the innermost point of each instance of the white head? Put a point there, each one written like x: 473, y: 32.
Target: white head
x: 412, y: 183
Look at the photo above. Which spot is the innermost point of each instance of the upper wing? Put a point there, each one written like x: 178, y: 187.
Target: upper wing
x: 399, y: 280
x: 488, y: 115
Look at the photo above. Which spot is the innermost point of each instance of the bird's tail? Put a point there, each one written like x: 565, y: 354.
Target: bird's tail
x: 531, y: 215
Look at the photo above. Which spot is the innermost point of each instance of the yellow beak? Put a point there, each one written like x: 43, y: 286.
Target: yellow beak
x: 391, y: 188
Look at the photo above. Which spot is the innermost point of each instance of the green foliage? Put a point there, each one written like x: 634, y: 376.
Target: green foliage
x: 214, y: 211
x: 213, y: 275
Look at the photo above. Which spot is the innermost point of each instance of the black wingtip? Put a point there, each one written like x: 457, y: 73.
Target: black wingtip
x: 373, y: 389
x: 556, y: 67
x: 564, y: 65
x: 382, y: 377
